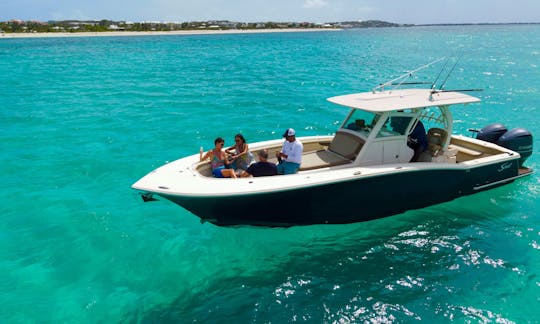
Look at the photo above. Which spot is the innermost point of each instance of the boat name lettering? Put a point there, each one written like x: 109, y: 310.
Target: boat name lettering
x: 505, y: 166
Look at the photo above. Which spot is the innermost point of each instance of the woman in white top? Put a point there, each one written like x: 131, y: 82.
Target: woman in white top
x: 239, y: 153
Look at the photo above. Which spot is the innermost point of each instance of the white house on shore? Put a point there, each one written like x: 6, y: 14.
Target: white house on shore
x: 116, y: 27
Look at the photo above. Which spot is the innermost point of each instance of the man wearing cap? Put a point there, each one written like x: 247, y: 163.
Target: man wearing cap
x: 290, y: 156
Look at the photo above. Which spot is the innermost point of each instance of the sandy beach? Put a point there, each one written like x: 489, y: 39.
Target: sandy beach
x: 156, y: 33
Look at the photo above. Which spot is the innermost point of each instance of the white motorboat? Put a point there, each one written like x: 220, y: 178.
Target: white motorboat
x: 362, y: 172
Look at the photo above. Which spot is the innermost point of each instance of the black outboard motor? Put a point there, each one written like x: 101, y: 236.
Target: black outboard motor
x: 518, y: 140
x: 491, y: 133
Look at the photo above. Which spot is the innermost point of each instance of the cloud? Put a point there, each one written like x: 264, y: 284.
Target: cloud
x: 314, y: 4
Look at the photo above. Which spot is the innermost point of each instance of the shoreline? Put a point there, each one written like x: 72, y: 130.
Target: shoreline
x: 162, y: 33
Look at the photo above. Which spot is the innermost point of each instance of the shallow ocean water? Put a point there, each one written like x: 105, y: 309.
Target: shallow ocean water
x: 84, y: 118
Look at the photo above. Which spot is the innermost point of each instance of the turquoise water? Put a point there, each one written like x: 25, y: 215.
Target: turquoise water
x: 84, y: 118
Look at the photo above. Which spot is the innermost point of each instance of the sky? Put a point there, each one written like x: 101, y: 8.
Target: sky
x: 397, y: 11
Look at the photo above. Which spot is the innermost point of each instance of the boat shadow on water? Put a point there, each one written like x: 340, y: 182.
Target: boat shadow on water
x: 397, y: 260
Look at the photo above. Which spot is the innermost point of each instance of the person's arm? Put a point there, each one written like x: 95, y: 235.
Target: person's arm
x: 280, y: 154
x: 248, y: 172
x: 226, y: 159
x: 206, y: 156
x: 244, y: 152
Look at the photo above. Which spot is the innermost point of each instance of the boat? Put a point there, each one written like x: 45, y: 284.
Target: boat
x: 362, y: 172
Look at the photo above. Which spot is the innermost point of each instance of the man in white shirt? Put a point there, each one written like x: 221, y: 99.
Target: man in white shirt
x: 290, y: 156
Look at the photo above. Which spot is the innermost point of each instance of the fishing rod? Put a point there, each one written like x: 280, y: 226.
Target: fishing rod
x: 410, y: 73
x: 455, y: 90
x: 450, y: 72
x: 434, y: 84
x: 409, y: 83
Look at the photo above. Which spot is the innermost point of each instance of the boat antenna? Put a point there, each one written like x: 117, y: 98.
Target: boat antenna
x: 434, y: 84
x: 450, y: 72
x: 409, y: 73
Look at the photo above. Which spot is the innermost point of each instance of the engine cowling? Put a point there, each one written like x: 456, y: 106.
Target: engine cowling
x: 492, y: 132
x: 518, y: 140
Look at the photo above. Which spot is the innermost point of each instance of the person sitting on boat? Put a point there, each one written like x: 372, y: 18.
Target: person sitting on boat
x: 239, y: 153
x: 358, y: 125
x: 263, y: 168
x: 399, y: 123
x: 417, y: 140
x: 218, y: 160
x: 290, y: 156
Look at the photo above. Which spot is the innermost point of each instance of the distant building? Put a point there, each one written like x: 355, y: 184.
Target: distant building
x: 115, y: 27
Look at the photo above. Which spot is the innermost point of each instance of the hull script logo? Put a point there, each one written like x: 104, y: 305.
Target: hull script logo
x: 505, y: 166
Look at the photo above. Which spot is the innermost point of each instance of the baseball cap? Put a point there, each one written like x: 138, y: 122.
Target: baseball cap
x: 289, y: 132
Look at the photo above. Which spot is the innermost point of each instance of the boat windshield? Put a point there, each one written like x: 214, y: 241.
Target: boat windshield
x: 361, y: 121
x: 398, y: 125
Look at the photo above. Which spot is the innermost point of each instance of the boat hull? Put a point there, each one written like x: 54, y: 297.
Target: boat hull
x: 354, y: 200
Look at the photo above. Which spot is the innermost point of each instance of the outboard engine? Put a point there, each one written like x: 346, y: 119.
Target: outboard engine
x: 518, y: 140
x: 491, y: 133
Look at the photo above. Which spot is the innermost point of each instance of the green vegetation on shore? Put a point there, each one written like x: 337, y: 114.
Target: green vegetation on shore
x: 72, y: 26
x: 19, y: 26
